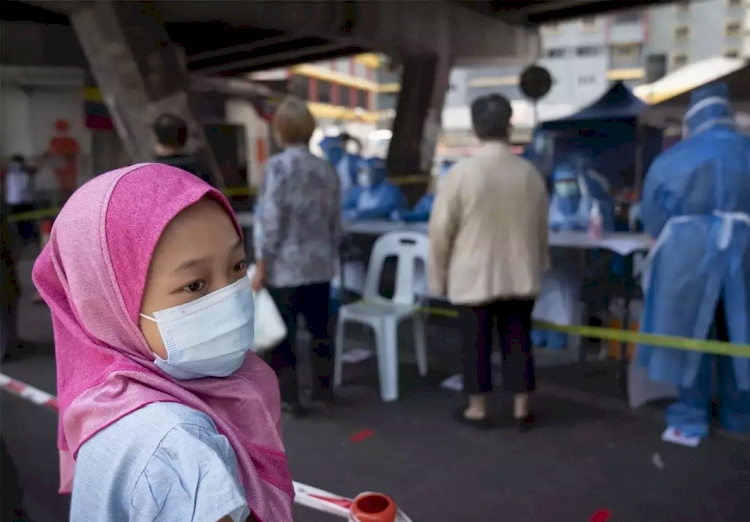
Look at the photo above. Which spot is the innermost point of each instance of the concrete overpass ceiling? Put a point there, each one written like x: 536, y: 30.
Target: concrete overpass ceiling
x: 219, y: 37
x: 533, y: 12
x: 220, y: 48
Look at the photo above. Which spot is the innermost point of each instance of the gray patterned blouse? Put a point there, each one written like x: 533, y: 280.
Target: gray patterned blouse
x: 298, y: 219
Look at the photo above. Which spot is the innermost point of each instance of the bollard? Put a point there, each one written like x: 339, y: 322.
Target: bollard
x: 372, y: 507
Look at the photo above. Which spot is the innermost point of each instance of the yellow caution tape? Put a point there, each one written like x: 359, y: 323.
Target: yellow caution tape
x: 229, y: 192
x: 34, y: 214
x: 626, y: 336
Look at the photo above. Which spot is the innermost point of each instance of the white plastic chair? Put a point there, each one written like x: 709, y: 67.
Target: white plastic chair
x: 384, y: 315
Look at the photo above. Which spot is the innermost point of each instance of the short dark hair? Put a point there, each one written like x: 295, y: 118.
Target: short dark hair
x: 17, y: 158
x: 171, y: 130
x: 490, y: 117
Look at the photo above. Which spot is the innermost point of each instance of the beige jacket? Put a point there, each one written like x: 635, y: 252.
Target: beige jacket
x: 488, y: 229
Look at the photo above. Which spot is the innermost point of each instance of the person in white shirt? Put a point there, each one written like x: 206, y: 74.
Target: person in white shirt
x: 19, y: 193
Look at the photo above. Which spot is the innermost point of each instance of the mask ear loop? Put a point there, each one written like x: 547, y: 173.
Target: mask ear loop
x: 153, y: 320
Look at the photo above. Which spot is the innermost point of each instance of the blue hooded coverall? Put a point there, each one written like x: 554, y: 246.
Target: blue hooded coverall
x: 696, y: 201
x: 345, y: 163
x: 373, y: 197
x: 569, y: 211
x: 423, y: 208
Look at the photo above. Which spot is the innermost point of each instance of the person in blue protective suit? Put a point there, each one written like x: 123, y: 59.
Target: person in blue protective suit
x: 572, y: 201
x: 374, y: 197
x: 696, y: 205
x: 345, y: 163
x: 421, y: 211
x: 570, y: 209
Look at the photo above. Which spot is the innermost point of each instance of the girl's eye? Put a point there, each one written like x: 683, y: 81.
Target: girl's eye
x: 195, y: 286
x: 240, y: 266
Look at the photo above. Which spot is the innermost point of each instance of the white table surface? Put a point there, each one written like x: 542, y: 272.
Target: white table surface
x: 623, y: 243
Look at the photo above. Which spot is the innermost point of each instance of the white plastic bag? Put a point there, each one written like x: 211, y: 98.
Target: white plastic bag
x: 270, y: 328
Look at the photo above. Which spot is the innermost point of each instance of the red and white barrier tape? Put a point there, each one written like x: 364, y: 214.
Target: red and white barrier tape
x: 305, y: 495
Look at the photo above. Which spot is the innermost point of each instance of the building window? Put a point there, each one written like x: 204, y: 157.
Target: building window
x: 680, y: 60
x: 587, y: 79
x: 345, y: 97
x: 733, y: 29
x: 682, y: 7
x: 324, y: 91
x: 588, y: 23
x: 732, y: 53
x: 588, y: 50
x: 628, y: 17
x: 342, y: 65
x: 551, y: 28
x: 300, y: 87
x: 681, y: 34
x: 362, y: 99
x: 555, y: 53
x: 625, y: 51
x: 360, y: 70
x: 734, y: 3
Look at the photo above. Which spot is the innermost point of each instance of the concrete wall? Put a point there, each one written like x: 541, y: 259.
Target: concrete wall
x: 31, y: 100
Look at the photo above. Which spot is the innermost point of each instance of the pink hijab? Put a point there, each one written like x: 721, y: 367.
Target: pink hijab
x: 92, y: 274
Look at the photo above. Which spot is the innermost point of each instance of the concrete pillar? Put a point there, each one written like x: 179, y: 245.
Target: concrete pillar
x: 417, y: 86
x: 424, y: 85
x: 141, y: 73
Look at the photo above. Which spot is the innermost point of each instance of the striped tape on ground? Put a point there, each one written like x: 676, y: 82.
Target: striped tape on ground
x: 304, y: 495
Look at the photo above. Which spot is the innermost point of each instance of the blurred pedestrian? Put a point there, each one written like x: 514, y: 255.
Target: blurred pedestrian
x: 10, y: 292
x: 19, y: 193
x: 488, y: 252
x: 296, y: 247
x: 171, y: 135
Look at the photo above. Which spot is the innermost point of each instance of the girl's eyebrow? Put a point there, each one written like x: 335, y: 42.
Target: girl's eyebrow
x: 187, y: 265
x: 192, y: 263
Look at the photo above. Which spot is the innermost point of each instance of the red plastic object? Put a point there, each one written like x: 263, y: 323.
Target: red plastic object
x: 361, y: 435
x: 601, y: 516
x: 373, y: 507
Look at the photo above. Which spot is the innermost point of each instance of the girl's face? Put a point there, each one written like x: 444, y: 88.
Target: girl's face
x: 199, y: 252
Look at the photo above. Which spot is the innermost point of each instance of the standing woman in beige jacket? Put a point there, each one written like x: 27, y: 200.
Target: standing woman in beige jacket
x: 488, y: 253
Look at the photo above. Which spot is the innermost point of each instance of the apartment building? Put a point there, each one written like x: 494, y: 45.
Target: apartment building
x: 687, y: 32
x: 583, y: 56
x: 353, y: 92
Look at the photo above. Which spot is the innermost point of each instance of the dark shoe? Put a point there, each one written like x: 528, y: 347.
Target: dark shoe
x: 526, y: 423
x: 296, y: 410
x: 484, y: 424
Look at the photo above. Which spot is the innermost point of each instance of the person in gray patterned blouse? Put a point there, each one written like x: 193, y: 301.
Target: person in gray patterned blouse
x: 297, y: 236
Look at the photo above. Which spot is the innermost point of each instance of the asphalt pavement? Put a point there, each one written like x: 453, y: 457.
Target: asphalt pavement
x: 588, y: 457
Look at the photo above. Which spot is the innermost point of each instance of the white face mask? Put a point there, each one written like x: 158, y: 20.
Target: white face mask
x: 364, y: 179
x: 210, y: 336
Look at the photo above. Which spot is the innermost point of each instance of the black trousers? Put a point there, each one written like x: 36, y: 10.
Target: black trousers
x: 313, y: 302
x: 25, y: 228
x: 513, y: 319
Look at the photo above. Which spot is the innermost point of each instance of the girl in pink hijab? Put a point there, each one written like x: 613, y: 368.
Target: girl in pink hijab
x: 164, y: 413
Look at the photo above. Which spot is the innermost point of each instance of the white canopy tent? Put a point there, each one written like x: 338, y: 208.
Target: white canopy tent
x: 687, y: 78
x: 670, y: 96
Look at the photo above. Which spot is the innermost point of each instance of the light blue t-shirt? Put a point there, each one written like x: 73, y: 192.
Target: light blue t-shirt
x: 163, y: 462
